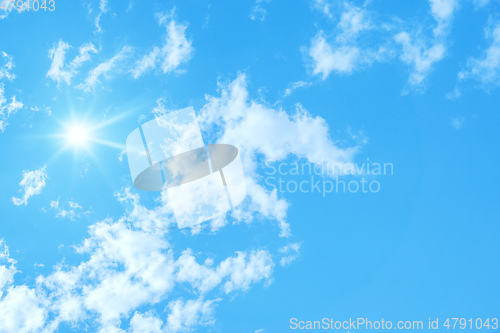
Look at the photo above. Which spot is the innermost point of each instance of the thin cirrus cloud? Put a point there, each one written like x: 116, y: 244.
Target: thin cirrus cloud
x: 176, y: 49
x: 104, y: 69
x: 486, y: 68
x: 258, y: 11
x: 71, y: 210
x: 60, y: 71
x: 7, y: 107
x: 32, y: 184
x: 290, y: 253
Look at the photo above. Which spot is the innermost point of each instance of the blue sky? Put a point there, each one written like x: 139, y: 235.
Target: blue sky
x: 414, y: 84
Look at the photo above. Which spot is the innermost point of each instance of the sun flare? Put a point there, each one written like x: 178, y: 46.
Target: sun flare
x: 77, y: 135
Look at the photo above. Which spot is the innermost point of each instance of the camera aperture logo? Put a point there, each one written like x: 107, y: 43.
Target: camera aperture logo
x: 326, y: 177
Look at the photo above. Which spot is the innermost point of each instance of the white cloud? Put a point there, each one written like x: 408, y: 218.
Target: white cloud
x: 58, y: 55
x: 481, y: 3
x: 146, y: 323
x: 7, y: 108
x: 419, y: 56
x: 358, y: 40
x: 290, y: 253
x: 420, y: 52
x: 486, y: 69
x: 176, y: 50
x: 353, y: 21
x: 103, y: 69
x: 103, y: 6
x: 457, y: 122
x: 243, y: 271
x: 295, y: 85
x: 7, y: 67
x: 348, y: 49
x: 442, y: 11
x: 59, y: 71
x: 129, y: 265
x: 261, y: 131
x: 32, y: 184
x: 258, y: 12
x: 74, y: 210
x: 186, y: 315
x: 7, y: 267
x: 103, y: 9
x: 21, y: 311
x: 326, y: 60
x: 323, y: 6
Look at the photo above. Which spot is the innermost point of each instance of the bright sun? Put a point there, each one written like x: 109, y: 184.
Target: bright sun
x: 77, y: 135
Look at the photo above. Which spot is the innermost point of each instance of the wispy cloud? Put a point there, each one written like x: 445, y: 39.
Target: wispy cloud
x: 61, y: 72
x: 486, y: 69
x: 71, y: 211
x: 7, y: 108
x: 360, y: 39
x: 32, y: 184
x: 103, y: 69
x: 420, y: 51
x: 258, y: 11
x: 457, y: 122
x: 290, y: 253
x: 295, y: 85
x: 417, y: 54
x: 345, y: 52
x: 103, y: 9
x: 176, y: 50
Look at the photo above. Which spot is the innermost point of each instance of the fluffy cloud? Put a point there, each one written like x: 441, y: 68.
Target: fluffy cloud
x: 7, y: 267
x: 262, y: 133
x: 186, y: 315
x: 349, y: 48
x: 32, y: 184
x: 176, y: 50
x: 442, y: 11
x: 419, y: 56
x: 344, y: 53
x: 103, y: 69
x: 486, y: 69
x: 422, y: 52
x: 61, y: 72
x: 22, y: 310
x: 326, y: 60
x: 130, y: 265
